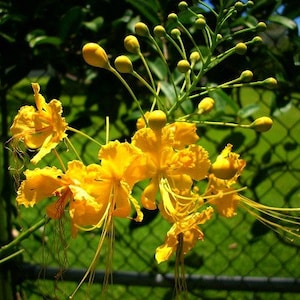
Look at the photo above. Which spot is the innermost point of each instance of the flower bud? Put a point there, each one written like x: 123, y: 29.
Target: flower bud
x: 206, y: 105
x: 141, y: 29
x: 262, y: 124
x: 240, y: 48
x: 157, y: 119
x: 183, y: 66
x: 132, y: 44
x: 261, y: 26
x: 182, y: 5
x: 95, y: 55
x: 123, y: 64
x: 172, y: 17
x: 175, y: 33
x: 219, y: 37
x: 195, y: 56
x: 200, y: 23
x: 239, y: 5
x: 257, y: 40
x: 159, y: 31
x: 228, y: 164
x: 250, y: 4
x: 270, y: 83
x: 246, y: 76
x: 223, y: 169
x: 141, y: 121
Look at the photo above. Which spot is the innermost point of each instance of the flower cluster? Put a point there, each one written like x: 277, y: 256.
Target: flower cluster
x: 164, y: 152
x: 167, y: 155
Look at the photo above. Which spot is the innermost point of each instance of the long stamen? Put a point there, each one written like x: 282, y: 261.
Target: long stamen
x: 276, y: 213
x: 276, y: 227
x: 105, y: 221
x: 99, y: 224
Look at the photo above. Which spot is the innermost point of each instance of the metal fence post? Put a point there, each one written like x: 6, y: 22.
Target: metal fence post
x: 6, y: 288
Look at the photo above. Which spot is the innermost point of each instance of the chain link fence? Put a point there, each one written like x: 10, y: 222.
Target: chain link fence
x: 240, y: 258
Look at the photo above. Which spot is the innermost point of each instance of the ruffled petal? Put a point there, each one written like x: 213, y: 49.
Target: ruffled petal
x: 38, y: 185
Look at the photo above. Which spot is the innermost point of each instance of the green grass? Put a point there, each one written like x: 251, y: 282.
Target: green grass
x: 237, y: 246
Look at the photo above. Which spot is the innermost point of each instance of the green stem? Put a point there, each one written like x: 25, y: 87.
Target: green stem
x: 117, y: 74
x: 11, y: 256
x: 84, y: 134
x: 6, y: 248
x: 152, y: 39
x: 217, y: 123
x: 147, y: 70
x: 73, y: 148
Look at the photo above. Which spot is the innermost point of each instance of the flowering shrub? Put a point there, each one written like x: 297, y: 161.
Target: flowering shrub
x: 164, y: 152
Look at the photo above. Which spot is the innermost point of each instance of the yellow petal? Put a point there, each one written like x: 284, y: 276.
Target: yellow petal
x: 183, y: 134
x: 192, y: 161
x: 149, y: 194
x: 42, y: 128
x: 38, y: 185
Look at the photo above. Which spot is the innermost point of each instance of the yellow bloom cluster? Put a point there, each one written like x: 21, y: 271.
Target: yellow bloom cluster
x: 167, y: 155
x: 42, y: 127
x: 164, y: 153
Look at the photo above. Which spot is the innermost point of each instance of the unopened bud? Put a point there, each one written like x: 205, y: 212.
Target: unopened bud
x: 195, y: 56
x: 95, y: 55
x: 246, y: 76
x: 219, y: 37
x: 175, y: 33
x: 200, y: 23
x: 159, y: 31
x: 172, y: 17
x: 132, y: 44
x: 257, y: 40
x: 223, y: 169
x: 250, y: 4
x: 240, y: 48
x: 123, y: 64
x: 157, y: 119
x: 262, y: 124
x: 206, y: 105
x: 141, y: 29
x: 270, y: 82
x: 183, y: 66
x: 239, y: 5
x: 182, y: 5
x: 261, y: 26
x: 228, y: 164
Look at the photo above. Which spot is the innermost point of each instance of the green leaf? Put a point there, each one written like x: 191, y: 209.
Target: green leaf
x: 222, y: 100
x: 149, y: 9
x: 248, y: 110
x: 44, y: 39
x: 159, y: 68
x: 70, y: 22
x: 168, y: 90
x: 95, y: 24
x: 288, y: 23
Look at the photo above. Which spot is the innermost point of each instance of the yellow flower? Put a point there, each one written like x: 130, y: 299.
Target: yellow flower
x: 192, y: 161
x: 38, y: 185
x: 221, y: 194
x: 190, y: 232
x: 170, y: 152
x: 227, y: 165
x: 40, y: 128
x: 182, y: 134
x: 123, y: 165
x: 78, y: 187
x: 224, y: 174
x: 226, y: 198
